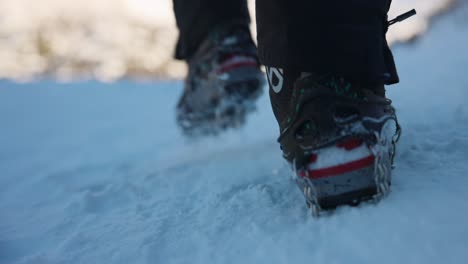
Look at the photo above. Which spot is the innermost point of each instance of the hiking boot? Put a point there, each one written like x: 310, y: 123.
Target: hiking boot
x: 338, y: 136
x: 223, y: 82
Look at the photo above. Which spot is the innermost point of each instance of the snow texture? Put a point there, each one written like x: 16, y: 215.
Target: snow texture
x: 99, y: 173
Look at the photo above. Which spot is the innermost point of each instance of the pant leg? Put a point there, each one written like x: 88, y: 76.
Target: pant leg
x: 196, y: 18
x: 340, y: 37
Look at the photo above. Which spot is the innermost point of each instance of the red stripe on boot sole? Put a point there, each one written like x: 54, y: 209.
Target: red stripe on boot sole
x: 340, y: 169
x: 233, y: 66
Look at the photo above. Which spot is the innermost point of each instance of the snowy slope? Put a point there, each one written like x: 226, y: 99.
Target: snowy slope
x: 98, y: 173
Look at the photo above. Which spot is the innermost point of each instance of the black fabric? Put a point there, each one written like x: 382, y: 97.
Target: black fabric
x: 340, y: 37
x: 196, y: 18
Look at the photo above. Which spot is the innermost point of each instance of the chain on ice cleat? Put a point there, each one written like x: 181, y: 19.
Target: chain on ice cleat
x: 354, y: 170
x: 340, y: 140
x: 223, y: 82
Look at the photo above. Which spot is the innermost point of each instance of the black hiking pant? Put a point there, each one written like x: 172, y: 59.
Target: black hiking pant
x: 342, y: 37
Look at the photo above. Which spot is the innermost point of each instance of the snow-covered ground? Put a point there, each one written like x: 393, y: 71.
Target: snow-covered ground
x: 99, y: 173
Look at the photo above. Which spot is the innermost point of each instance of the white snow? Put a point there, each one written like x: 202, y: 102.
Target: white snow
x: 99, y: 173
x: 332, y: 156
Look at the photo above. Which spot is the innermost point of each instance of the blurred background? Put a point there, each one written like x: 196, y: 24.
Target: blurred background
x: 94, y: 169
x: 113, y: 39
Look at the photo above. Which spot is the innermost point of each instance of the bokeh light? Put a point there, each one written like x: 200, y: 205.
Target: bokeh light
x: 112, y: 39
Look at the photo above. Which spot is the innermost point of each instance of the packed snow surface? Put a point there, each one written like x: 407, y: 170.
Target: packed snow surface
x: 99, y: 173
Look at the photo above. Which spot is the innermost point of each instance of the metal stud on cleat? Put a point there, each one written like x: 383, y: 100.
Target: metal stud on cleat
x: 350, y: 181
